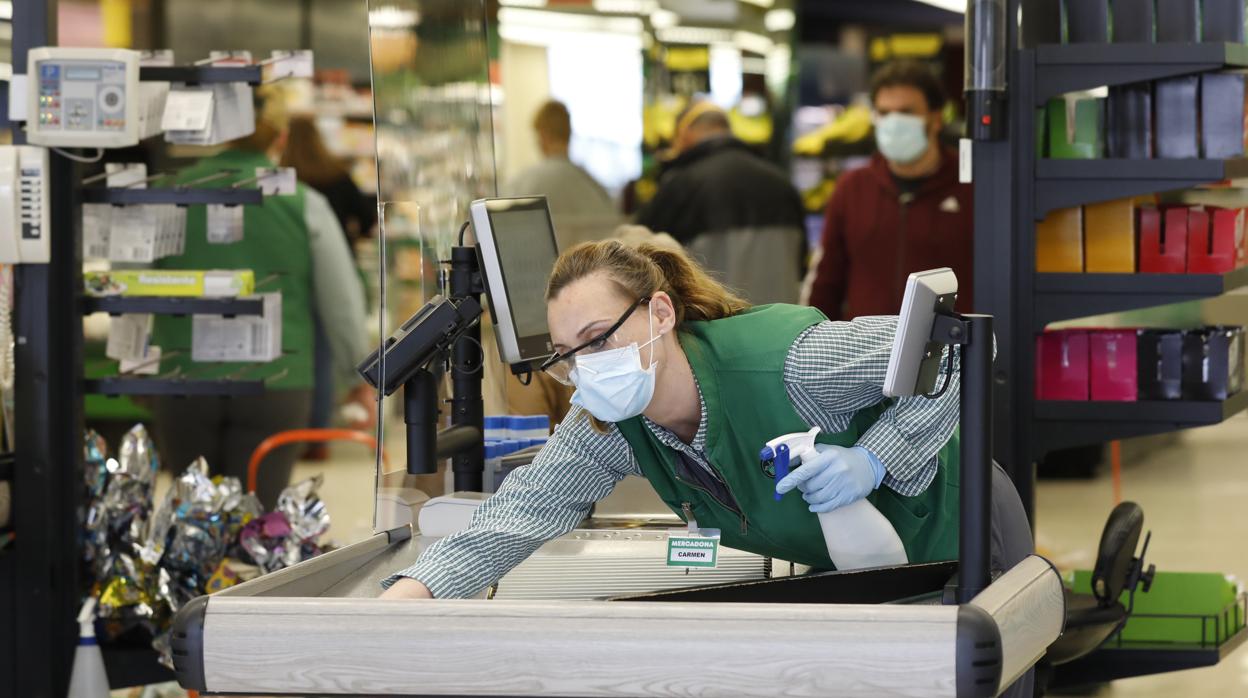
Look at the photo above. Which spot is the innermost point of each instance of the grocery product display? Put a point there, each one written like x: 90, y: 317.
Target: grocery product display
x: 1205, y: 363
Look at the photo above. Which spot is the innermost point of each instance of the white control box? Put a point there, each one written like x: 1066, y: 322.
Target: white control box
x: 24, y: 226
x: 84, y: 97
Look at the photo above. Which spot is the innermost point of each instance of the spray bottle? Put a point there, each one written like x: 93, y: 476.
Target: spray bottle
x: 857, y: 535
x: 88, y: 679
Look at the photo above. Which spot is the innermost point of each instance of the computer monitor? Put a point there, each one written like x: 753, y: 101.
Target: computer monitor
x: 518, y: 252
x: 914, y: 364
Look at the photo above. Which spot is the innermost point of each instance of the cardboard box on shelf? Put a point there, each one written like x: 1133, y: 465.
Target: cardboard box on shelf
x: 1129, y: 117
x: 214, y: 283
x: 1175, y: 106
x: 1109, y: 237
x: 1112, y: 365
x: 1223, y: 20
x: 1163, y: 248
x: 1133, y: 21
x: 1077, y: 127
x: 1087, y: 22
x: 1222, y: 115
x: 1178, y: 20
x: 251, y: 339
x: 1159, y: 364
x: 1213, y: 359
x: 1062, y: 371
x: 1059, y: 241
x: 1215, y: 248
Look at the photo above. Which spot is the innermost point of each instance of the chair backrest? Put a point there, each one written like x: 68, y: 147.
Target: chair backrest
x: 1117, y: 549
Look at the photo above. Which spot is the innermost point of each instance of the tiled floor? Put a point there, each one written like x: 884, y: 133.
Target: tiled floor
x: 1195, y: 500
x: 1194, y: 494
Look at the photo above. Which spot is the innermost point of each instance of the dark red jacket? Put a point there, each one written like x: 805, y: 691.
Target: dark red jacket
x: 873, y: 238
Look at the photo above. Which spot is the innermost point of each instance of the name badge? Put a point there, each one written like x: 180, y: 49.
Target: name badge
x: 687, y: 549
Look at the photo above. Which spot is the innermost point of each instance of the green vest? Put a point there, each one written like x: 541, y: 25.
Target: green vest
x: 275, y: 243
x: 739, y: 365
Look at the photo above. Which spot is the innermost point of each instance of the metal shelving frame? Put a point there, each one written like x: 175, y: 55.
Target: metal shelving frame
x: 1014, y: 189
x: 165, y: 305
x: 40, y: 576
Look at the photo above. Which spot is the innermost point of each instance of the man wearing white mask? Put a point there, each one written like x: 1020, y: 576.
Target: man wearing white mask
x: 904, y: 212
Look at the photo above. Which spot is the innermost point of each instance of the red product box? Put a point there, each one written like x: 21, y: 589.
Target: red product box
x: 1062, y: 365
x: 1163, y: 249
x: 1213, y: 240
x: 1112, y: 365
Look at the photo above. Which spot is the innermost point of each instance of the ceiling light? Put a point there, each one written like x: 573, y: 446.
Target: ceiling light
x: 511, y: 17
x: 391, y: 17
x: 664, y: 19
x: 947, y: 5
x: 694, y: 35
x: 626, y: 7
x: 522, y: 3
x: 765, y: 4
x: 780, y: 20
x: 6, y: 9
x: 754, y: 43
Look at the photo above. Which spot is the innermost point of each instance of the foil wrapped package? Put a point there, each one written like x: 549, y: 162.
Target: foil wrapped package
x: 290, y: 534
x: 206, y: 534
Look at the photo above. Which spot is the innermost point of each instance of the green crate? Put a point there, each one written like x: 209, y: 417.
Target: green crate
x: 1181, y: 608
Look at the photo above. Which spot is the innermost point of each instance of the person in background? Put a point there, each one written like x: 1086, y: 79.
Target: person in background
x: 580, y: 208
x: 316, y: 166
x: 303, y: 148
x: 734, y: 211
x: 295, y: 246
x: 904, y: 212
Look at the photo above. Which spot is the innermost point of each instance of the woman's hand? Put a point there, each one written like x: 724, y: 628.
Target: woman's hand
x: 407, y: 588
x: 835, y: 477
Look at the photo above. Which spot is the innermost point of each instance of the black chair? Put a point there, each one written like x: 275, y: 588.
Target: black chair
x: 1091, y: 619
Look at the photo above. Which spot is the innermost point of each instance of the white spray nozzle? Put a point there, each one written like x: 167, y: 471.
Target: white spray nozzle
x: 86, y: 618
x: 800, y: 443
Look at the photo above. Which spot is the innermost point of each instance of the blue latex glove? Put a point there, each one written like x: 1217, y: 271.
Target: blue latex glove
x: 835, y: 477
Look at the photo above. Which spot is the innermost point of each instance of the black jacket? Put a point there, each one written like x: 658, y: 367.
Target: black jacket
x: 721, y: 185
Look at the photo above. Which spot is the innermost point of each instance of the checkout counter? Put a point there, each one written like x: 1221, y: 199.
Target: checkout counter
x: 548, y: 628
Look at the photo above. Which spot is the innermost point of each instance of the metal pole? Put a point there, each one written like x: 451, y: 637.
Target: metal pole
x: 420, y: 414
x: 974, y: 533
x: 42, y: 581
x: 467, y: 356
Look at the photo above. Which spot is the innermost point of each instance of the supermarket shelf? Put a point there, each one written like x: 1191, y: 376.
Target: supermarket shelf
x: 178, y: 387
x: 1111, y: 663
x: 1071, y: 67
x: 202, y: 74
x: 1066, y: 424
x: 179, y: 196
x: 163, y: 305
x: 1068, y: 296
x: 1067, y: 183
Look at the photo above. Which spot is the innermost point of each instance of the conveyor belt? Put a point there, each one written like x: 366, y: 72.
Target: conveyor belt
x: 315, y: 629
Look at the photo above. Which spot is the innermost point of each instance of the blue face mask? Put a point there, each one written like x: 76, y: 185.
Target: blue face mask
x: 612, y: 385
x: 902, y: 138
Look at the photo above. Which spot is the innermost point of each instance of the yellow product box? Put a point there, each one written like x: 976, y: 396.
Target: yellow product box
x: 170, y: 282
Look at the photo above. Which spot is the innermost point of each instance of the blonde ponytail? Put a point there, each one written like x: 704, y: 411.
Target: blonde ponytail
x: 644, y: 270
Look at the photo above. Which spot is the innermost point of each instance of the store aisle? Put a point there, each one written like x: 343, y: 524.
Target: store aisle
x: 1195, y: 499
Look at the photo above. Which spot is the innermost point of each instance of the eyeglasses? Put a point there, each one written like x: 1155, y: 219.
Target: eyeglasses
x: 560, y: 364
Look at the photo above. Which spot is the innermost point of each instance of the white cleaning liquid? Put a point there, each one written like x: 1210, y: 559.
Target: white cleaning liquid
x: 88, y: 678
x: 858, y: 535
